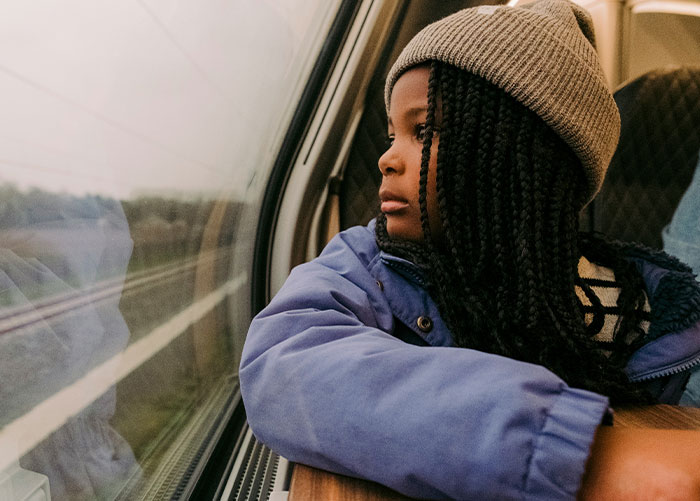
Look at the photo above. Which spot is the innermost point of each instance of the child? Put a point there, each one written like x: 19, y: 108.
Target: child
x: 461, y: 346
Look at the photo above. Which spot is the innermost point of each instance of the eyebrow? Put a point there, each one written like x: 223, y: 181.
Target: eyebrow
x: 413, y: 111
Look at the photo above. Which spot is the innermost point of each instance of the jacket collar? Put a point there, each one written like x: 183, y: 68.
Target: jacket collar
x: 405, y: 268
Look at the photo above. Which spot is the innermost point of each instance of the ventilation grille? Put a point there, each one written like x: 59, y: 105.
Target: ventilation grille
x: 257, y: 472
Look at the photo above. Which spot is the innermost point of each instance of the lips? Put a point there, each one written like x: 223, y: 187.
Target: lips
x: 391, y: 202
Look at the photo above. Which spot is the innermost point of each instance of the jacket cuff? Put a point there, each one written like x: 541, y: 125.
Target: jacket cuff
x: 562, y: 447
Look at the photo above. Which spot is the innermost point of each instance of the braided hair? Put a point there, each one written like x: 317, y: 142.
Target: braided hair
x: 504, y: 275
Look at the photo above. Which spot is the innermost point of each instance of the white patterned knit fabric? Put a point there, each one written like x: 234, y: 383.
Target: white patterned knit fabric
x: 604, y: 311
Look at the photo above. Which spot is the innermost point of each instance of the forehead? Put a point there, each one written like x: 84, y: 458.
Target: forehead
x: 410, y: 93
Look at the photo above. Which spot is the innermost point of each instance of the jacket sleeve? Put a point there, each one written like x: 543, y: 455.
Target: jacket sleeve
x: 324, y: 384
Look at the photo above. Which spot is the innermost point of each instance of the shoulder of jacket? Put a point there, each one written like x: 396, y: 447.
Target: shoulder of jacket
x: 358, y: 240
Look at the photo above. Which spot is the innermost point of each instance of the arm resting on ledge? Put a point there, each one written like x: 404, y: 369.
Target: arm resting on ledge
x: 311, y: 483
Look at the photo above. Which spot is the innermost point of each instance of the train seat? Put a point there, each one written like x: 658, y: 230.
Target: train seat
x: 656, y: 157
x: 359, y: 187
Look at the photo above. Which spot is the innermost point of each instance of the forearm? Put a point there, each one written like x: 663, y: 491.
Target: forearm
x: 633, y: 464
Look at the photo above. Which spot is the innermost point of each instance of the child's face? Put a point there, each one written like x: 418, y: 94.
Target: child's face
x: 400, y: 164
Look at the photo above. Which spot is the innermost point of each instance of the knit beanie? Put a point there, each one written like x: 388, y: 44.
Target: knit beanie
x: 543, y: 54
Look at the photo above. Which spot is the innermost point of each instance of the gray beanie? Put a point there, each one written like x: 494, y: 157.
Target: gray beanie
x: 543, y: 54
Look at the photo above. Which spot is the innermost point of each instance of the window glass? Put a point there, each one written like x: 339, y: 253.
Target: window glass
x: 135, y: 142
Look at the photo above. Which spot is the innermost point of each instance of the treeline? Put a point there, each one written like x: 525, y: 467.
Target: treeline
x: 164, y: 229
x: 161, y: 228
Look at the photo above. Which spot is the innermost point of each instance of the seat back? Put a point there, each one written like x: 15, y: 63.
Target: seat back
x: 358, y: 191
x: 656, y: 156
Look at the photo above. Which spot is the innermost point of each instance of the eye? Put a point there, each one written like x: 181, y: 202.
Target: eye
x: 420, y: 132
x: 389, y: 140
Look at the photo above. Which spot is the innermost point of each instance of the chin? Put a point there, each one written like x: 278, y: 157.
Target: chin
x: 402, y: 231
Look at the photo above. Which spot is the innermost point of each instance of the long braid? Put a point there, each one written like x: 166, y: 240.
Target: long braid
x: 504, y: 279
x: 427, y: 144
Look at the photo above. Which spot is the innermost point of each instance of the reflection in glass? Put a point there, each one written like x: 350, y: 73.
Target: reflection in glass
x: 62, y: 265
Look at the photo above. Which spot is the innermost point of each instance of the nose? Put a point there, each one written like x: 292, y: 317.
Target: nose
x: 390, y: 161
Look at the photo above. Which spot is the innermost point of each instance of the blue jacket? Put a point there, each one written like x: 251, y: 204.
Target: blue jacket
x: 325, y: 383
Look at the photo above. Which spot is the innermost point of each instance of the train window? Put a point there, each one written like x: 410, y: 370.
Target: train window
x: 135, y: 144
